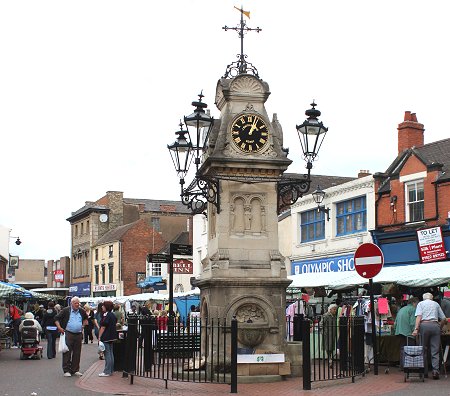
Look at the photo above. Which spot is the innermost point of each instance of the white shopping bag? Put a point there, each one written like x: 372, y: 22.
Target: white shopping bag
x: 62, y: 347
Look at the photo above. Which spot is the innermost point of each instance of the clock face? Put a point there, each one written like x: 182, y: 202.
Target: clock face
x: 249, y: 133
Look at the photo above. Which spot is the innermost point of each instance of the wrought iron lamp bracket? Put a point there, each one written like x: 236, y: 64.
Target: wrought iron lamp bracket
x: 290, y: 190
x: 322, y: 208
x: 201, y: 191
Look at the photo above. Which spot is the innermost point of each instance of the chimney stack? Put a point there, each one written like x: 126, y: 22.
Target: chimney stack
x: 410, y: 132
x: 363, y: 172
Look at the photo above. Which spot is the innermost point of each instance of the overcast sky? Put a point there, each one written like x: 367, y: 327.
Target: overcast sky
x: 91, y: 92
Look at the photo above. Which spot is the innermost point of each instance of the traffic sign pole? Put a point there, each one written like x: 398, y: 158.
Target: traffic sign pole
x: 369, y: 261
x: 374, y: 330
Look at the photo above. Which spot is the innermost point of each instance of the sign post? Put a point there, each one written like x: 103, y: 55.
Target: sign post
x: 181, y: 250
x: 369, y: 261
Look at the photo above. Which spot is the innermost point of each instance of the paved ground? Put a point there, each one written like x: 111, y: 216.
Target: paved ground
x: 45, y: 378
x: 369, y: 385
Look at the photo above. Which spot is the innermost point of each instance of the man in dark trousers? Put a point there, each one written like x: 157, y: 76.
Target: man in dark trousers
x: 70, y: 321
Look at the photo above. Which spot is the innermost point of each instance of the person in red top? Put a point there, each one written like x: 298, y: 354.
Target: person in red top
x: 14, y: 317
x: 161, y: 321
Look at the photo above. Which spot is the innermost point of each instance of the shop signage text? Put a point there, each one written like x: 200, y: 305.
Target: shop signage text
x: 431, y: 245
x: 182, y: 266
x: 107, y: 287
x: 329, y: 264
x: 59, y: 276
x: 80, y: 289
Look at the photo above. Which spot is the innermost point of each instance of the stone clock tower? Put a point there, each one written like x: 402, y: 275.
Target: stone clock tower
x: 243, y: 274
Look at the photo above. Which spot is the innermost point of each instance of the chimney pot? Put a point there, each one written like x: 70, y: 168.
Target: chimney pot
x: 410, y: 132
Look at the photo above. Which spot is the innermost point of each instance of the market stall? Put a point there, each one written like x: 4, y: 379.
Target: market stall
x: 411, y: 277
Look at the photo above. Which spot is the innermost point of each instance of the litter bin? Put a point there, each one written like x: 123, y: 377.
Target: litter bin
x: 119, y: 351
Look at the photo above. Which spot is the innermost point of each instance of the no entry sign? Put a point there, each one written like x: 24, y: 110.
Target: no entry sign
x: 368, y: 260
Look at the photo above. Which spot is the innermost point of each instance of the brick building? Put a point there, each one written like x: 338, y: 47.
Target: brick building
x: 95, y: 219
x: 412, y: 195
x: 119, y: 255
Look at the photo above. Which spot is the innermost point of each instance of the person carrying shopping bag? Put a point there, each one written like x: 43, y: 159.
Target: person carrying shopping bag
x: 107, y: 335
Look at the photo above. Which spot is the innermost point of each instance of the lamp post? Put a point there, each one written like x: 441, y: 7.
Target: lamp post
x: 185, y: 149
x: 318, y: 196
x: 13, y: 260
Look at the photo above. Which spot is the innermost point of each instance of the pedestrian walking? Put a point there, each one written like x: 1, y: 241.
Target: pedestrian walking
x: 51, y: 331
x: 429, y: 321
x: 70, y: 321
x: 405, y: 321
x: 107, y: 335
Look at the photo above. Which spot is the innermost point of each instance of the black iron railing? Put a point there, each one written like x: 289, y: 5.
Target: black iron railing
x: 332, y: 349
x: 176, y: 350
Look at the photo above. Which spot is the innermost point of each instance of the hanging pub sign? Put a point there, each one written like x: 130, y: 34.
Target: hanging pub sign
x: 431, y: 245
x: 13, y: 261
x: 182, y: 266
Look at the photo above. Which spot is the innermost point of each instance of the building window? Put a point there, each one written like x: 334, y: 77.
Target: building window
x: 82, y: 229
x: 110, y: 251
x: 96, y: 254
x: 414, y: 201
x: 156, y: 224
x: 110, y: 272
x: 103, y: 274
x: 76, y: 230
x: 156, y: 269
x: 97, y: 278
x: 312, y: 225
x: 351, y: 216
x: 87, y: 227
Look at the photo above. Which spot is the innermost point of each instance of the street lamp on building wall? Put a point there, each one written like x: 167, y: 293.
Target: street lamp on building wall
x: 18, y: 241
x: 190, y: 147
x: 318, y: 196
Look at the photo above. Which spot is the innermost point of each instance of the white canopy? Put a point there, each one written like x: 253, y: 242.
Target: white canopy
x: 414, y: 275
x: 139, y: 297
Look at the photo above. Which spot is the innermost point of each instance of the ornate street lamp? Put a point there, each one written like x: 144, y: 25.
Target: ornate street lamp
x: 311, y: 134
x: 202, y: 189
x: 318, y: 196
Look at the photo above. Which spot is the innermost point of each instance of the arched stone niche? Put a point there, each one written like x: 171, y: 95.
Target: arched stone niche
x: 247, y: 214
x: 255, y: 317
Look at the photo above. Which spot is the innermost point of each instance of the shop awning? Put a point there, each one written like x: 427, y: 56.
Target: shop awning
x: 11, y: 289
x: 413, y: 275
x: 156, y: 282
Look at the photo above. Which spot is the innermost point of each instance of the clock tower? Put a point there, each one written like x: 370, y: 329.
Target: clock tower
x: 244, y: 275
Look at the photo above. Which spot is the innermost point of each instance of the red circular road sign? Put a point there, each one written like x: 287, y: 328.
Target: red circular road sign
x: 369, y: 260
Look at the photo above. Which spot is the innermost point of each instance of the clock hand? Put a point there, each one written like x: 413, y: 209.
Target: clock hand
x: 253, y: 127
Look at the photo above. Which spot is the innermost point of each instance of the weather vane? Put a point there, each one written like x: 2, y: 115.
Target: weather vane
x: 241, y: 66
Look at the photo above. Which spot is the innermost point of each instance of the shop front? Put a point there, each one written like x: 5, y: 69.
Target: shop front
x: 81, y: 289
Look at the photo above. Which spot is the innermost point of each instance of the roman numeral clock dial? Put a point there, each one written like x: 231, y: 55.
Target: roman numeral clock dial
x: 249, y: 133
